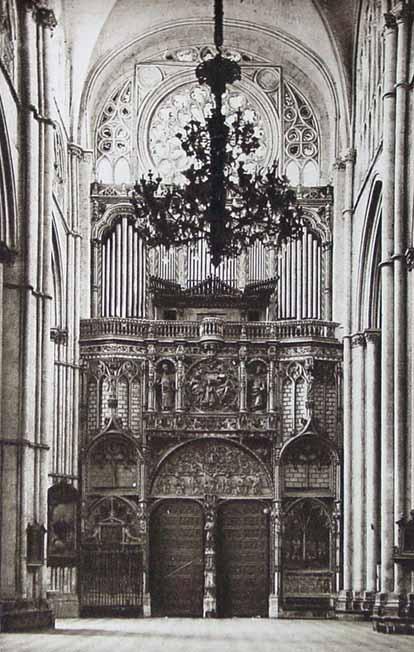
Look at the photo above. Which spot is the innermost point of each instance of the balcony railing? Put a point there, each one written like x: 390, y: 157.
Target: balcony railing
x: 104, y: 327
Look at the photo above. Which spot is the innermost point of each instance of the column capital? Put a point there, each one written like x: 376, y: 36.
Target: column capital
x: 372, y: 335
x: 76, y: 150
x: 409, y: 258
x: 348, y: 155
x: 402, y: 11
x: 46, y: 17
x: 339, y: 164
x: 390, y: 22
x: 357, y: 340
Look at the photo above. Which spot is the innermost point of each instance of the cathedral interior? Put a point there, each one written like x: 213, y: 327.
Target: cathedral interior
x: 184, y: 438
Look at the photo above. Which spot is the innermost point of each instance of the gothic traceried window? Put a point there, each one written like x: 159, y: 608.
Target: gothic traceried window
x: 113, y: 138
x: 369, y: 72
x: 7, y: 36
x: 194, y: 102
x: 301, y: 139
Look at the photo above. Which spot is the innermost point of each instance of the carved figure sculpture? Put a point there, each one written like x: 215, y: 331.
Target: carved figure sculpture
x: 167, y: 389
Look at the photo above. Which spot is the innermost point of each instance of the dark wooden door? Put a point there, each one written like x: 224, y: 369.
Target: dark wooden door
x: 242, y: 560
x: 176, y: 548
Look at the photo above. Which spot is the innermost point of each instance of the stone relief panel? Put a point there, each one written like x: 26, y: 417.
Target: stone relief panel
x: 211, y: 467
x: 113, y: 390
x: 112, y: 521
x: 113, y: 464
x: 213, y: 385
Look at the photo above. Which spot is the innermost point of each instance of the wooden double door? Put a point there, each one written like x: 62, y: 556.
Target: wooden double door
x: 177, y: 558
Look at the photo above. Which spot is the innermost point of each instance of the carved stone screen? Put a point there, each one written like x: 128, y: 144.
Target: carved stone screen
x: 176, y: 559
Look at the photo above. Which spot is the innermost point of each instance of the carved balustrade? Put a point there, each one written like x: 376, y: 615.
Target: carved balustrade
x: 141, y: 329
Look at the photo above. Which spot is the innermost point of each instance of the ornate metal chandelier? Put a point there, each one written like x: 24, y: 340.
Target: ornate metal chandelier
x: 220, y: 200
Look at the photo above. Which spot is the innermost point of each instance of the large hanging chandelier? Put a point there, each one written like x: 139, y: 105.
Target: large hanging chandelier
x: 221, y: 199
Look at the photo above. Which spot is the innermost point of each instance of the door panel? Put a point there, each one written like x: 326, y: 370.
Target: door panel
x: 242, y: 560
x: 177, y: 572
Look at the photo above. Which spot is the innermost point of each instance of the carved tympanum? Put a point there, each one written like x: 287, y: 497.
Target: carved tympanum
x: 211, y: 467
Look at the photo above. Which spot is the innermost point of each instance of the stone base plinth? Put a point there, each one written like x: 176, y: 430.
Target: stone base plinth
x: 394, y: 613
x: 353, y: 605
x: 274, y: 606
x: 392, y: 625
x: 64, y: 605
x: 146, y: 605
x: 25, y: 616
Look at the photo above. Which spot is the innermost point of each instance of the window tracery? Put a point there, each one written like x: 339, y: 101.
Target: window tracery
x: 301, y: 139
x: 113, y: 137
x: 193, y: 102
x: 369, y: 73
x: 7, y: 36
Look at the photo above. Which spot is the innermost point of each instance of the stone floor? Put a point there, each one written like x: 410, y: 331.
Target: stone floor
x: 179, y: 635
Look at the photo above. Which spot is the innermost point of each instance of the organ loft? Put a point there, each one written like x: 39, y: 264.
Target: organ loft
x: 184, y: 434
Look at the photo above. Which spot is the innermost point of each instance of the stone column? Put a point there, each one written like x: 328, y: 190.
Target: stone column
x: 372, y: 460
x: 358, y: 468
x: 96, y: 280
x: 179, y: 403
x: 327, y: 290
x: 271, y: 383
x: 210, y: 529
x: 345, y: 595
x: 151, y: 378
x: 403, y: 17
x: 87, y: 306
x: 387, y: 311
x: 275, y: 524
x: 243, y: 378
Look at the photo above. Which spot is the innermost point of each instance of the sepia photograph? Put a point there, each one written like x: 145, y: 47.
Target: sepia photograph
x: 206, y: 325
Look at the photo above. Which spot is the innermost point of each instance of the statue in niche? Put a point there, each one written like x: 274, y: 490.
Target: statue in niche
x: 166, y: 388
x: 258, y: 388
